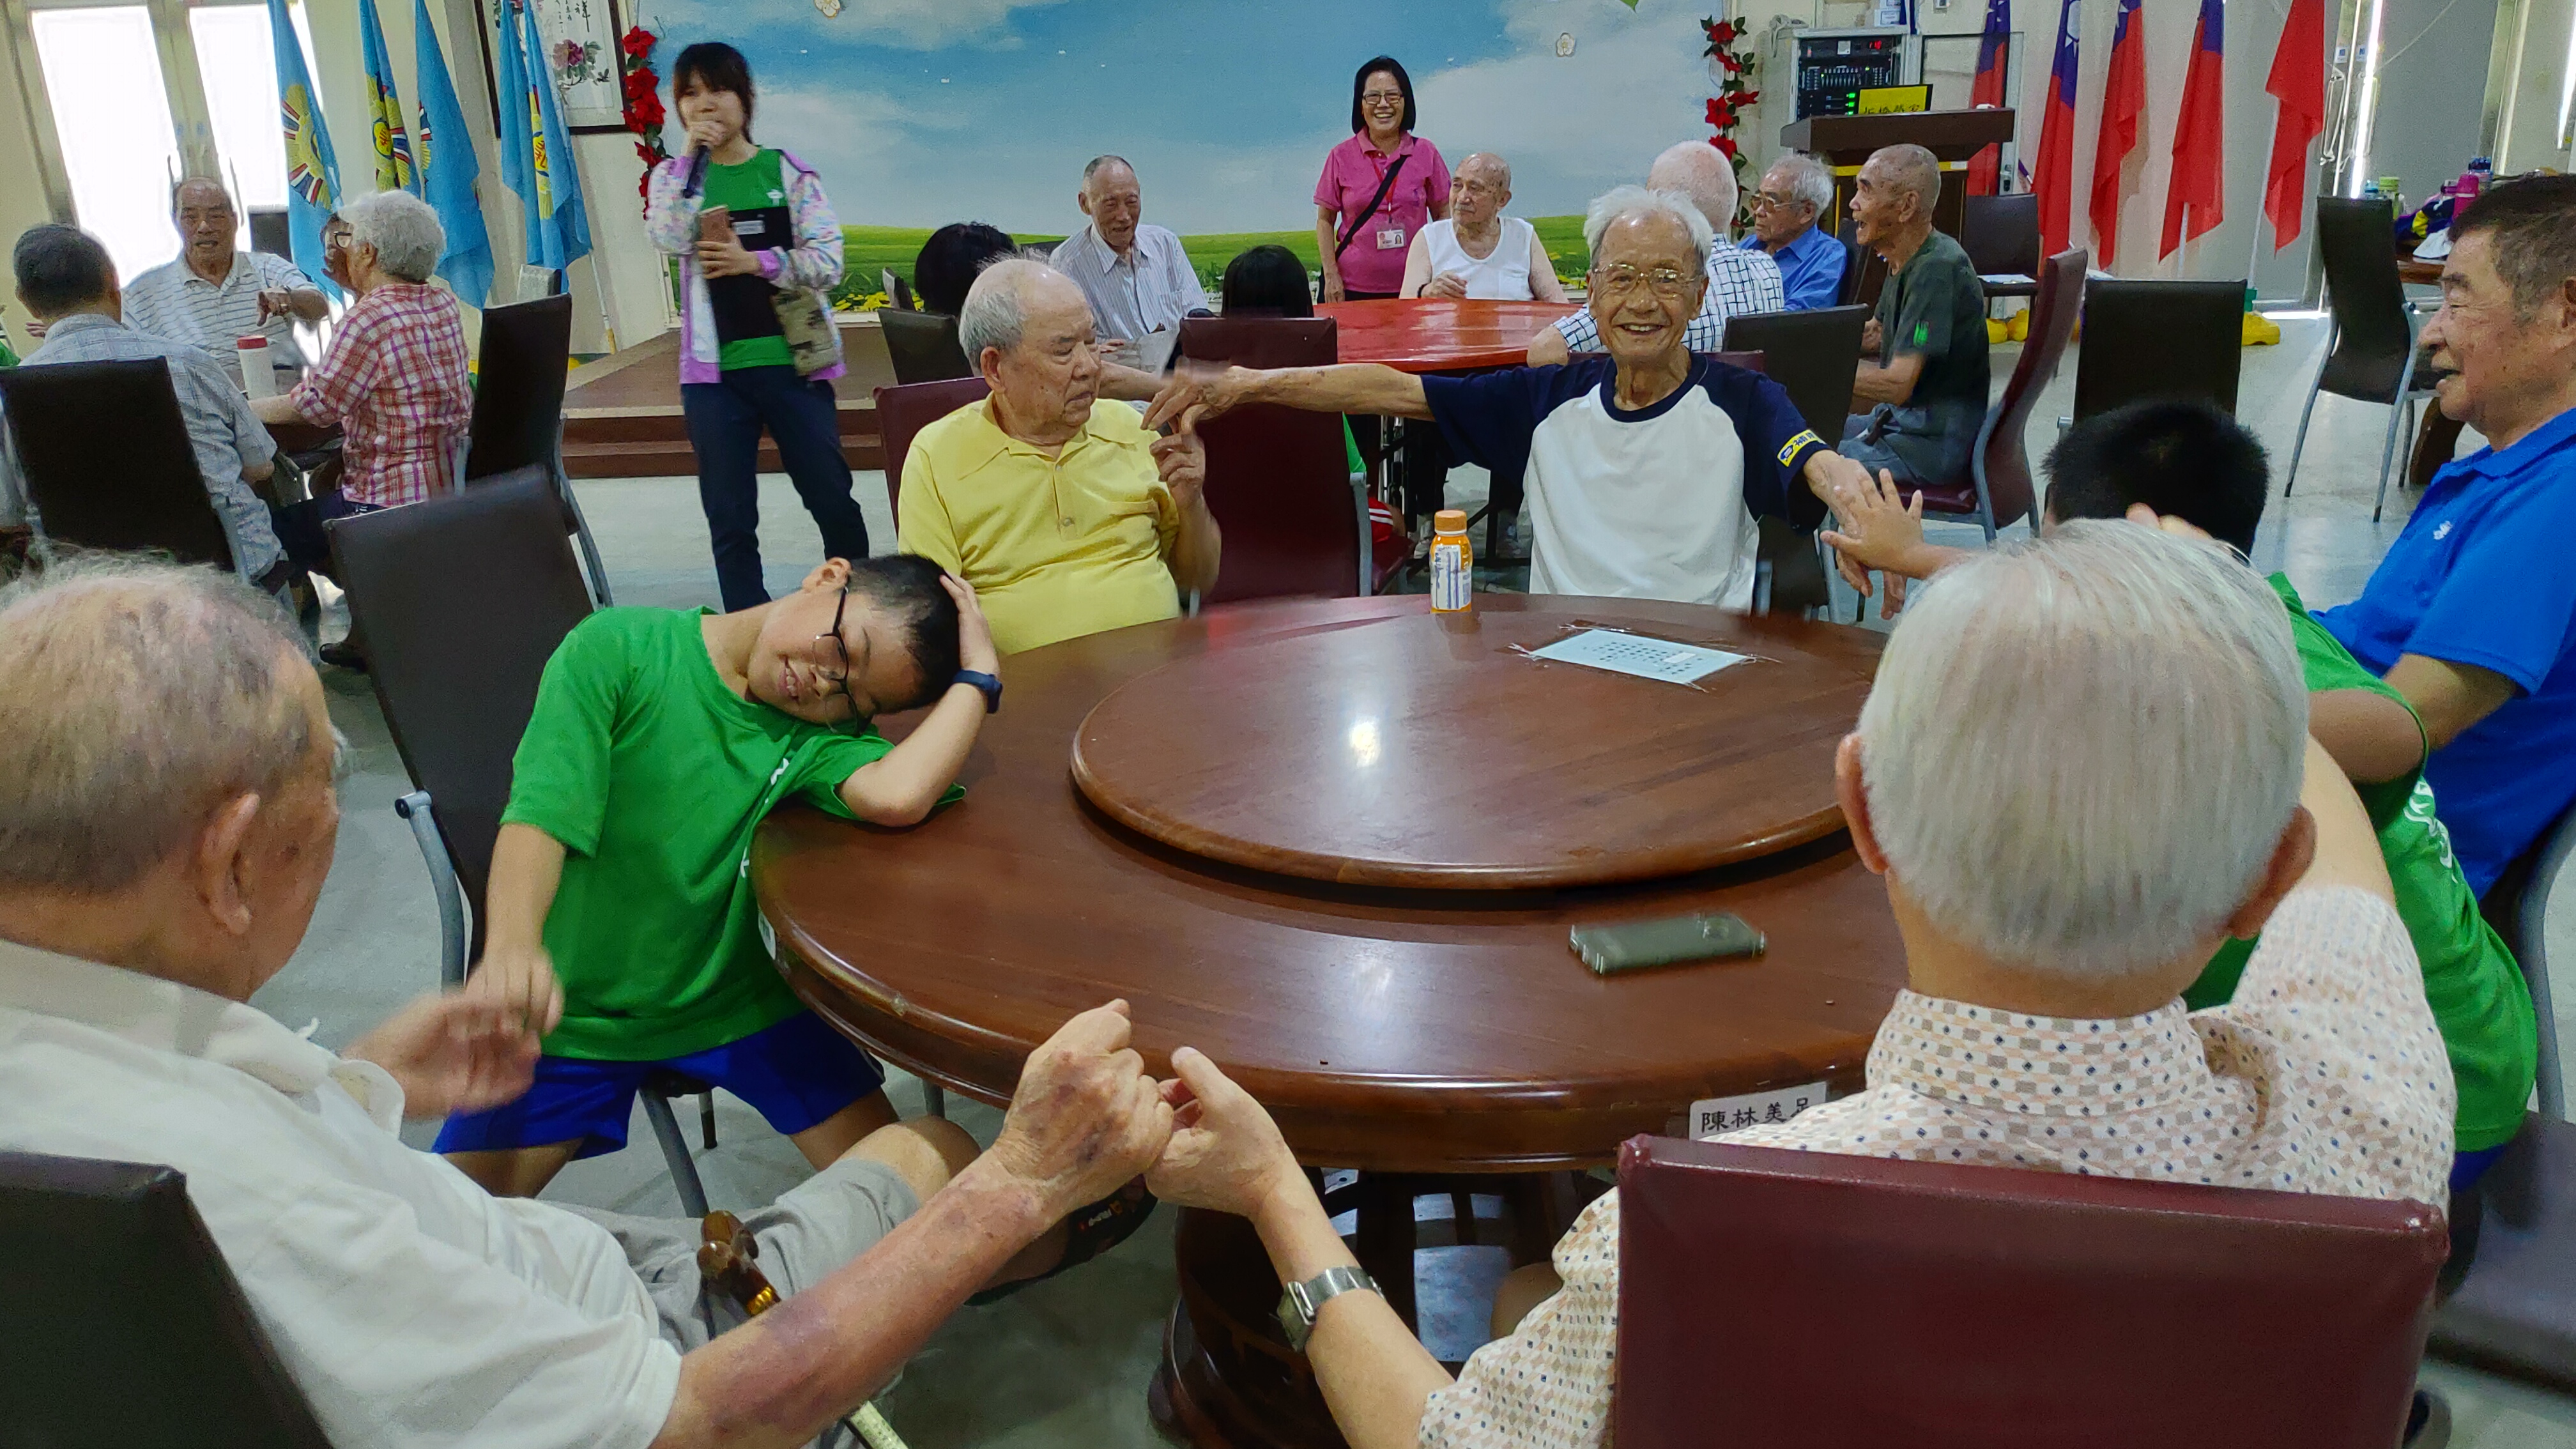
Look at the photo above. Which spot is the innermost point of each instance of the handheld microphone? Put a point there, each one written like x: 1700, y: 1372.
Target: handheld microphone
x: 697, y: 170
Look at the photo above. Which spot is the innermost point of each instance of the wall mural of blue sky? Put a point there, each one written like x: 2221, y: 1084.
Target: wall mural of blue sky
x: 921, y: 112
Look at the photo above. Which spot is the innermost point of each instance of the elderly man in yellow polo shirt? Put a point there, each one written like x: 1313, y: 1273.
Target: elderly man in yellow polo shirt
x: 1066, y: 514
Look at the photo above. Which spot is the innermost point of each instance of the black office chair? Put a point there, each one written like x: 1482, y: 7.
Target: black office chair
x: 898, y: 292
x: 105, y: 460
x: 2174, y: 340
x: 456, y: 669
x: 923, y: 347
x: 1813, y: 354
x: 1863, y: 272
x: 2370, y: 351
x: 124, y: 1324
x: 2001, y: 237
x: 518, y: 408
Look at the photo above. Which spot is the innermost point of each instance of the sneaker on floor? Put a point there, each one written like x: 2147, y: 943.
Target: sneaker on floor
x: 2428, y: 1424
x: 341, y: 656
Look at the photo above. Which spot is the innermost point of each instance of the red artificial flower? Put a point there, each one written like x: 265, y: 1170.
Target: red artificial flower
x: 1733, y: 63
x: 1725, y: 145
x: 1723, y: 32
x: 1746, y: 98
x: 637, y: 43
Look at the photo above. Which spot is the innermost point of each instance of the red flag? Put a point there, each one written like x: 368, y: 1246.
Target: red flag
x: 2053, y: 182
x: 2199, y: 179
x: 2124, y: 106
x: 2299, y: 81
x: 1988, y: 90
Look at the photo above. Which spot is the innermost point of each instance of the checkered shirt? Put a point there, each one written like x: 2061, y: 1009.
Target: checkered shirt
x: 2325, y: 1075
x: 1739, y: 282
x: 394, y: 380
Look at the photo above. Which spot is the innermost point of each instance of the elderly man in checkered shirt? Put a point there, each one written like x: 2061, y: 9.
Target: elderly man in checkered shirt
x: 1739, y: 281
x: 2053, y: 907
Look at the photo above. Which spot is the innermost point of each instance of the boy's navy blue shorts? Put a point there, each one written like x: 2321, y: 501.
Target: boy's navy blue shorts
x: 796, y: 1074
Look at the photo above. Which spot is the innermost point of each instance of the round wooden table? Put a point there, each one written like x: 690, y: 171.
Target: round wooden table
x: 1394, y: 1029
x: 1440, y: 334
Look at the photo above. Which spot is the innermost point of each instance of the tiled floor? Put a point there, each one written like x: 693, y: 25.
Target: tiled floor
x: 1066, y: 1362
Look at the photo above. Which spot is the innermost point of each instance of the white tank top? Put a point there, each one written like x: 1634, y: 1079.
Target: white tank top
x: 1503, y: 276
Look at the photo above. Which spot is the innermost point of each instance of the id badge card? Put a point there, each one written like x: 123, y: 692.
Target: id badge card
x: 1390, y: 238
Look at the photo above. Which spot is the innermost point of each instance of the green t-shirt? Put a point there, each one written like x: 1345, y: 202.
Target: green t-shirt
x: 747, y: 331
x: 2470, y: 979
x: 653, y: 775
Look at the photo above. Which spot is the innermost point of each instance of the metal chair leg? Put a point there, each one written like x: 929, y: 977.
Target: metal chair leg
x: 675, y: 1150
x: 934, y: 1099
x: 2290, y: 476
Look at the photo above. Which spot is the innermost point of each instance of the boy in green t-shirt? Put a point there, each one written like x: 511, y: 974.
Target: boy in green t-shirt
x: 620, y: 914
x: 2193, y: 462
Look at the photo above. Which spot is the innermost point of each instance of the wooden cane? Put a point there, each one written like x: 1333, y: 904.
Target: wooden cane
x: 725, y: 1254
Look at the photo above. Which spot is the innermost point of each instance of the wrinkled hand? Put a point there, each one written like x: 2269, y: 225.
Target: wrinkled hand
x: 1447, y: 284
x: 1181, y: 460
x: 455, y: 1052
x: 1225, y: 1153
x: 1196, y: 392
x: 1869, y: 336
x: 273, y: 303
x: 519, y: 980
x: 1332, y: 287
x: 727, y: 258
x: 975, y: 649
x: 1086, y: 1118
x: 1879, y: 531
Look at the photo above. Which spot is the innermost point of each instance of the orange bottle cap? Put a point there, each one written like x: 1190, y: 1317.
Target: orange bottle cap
x: 1449, y: 520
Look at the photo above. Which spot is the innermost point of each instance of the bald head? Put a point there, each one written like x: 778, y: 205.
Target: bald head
x: 1892, y: 200
x: 1701, y: 172
x: 1910, y: 170
x: 1487, y: 167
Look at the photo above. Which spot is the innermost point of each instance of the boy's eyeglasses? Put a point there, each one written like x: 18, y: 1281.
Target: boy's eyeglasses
x: 831, y: 656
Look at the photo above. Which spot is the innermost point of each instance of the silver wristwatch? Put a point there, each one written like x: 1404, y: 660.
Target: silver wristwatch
x: 1299, y: 1303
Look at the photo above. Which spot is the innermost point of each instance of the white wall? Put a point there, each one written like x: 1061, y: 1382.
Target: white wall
x: 2536, y: 56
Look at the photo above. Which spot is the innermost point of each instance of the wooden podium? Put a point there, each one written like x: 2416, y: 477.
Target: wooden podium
x: 1953, y: 136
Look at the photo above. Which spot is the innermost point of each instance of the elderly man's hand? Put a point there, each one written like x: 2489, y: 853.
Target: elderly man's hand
x: 1198, y: 391
x: 975, y: 649
x: 455, y: 1052
x: 1447, y: 284
x: 1086, y: 1118
x: 1226, y: 1154
x: 275, y: 302
x: 1879, y: 531
x: 1869, y: 336
x: 1181, y: 460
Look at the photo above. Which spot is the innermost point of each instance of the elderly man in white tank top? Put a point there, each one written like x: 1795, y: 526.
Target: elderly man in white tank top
x: 1478, y: 251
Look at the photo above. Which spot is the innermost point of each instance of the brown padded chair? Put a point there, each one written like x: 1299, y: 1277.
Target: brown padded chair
x: 1998, y: 490
x: 1812, y: 1299
x: 124, y: 1324
x: 923, y: 346
x: 1278, y: 479
x: 904, y: 411
x: 104, y: 457
x: 2183, y: 341
x: 2001, y: 236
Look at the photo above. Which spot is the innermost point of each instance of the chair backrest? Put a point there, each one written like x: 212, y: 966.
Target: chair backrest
x: 1278, y: 479
x: 923, y: 346
x: 1813, y: 354
x: 104, y: 457
x: 519, y: 386
x: 898, y: 295
x: 2001, y: 234
x: 906, y: 410
x: 124, y: 1325
x: 1813, y: 1299
x: 2179, y: 340
x: 2372, y: 334
x: 462, y: 600
x: 2002, y: 459
x: 1857, y: 262
x: 2517, y: 906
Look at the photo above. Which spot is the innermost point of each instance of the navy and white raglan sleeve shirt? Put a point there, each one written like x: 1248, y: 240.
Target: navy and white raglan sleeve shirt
x: 1656, y: 502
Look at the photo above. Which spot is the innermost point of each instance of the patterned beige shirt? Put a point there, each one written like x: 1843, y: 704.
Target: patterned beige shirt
x: 2325, y: 1074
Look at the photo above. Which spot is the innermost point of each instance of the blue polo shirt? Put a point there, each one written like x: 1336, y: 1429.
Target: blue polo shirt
x: 2479, y: 576
x: 1811, y: 268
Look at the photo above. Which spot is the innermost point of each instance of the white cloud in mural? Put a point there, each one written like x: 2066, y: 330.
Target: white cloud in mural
x: 904, y: 24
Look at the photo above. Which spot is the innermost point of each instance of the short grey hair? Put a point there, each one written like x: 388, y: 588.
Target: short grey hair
x: 142, y: 695
x: 1092, y: 167
x: 402, y: 228
x: 1701, y: 172
x: 2081, y: 751
x: 1622, y: 202
x: 1809, y: 181
x: 997, y: 306
x: 184, y: 182
x: 1914, y: 169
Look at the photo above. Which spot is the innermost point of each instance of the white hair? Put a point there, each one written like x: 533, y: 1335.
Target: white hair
x: 402, y: 228
x: 1619, y: 203
x: 1701, y: 172
x: 997, y: 306
x: 141, y: 695
x: 1809, y: 181
x: 1913, y: 168
x: 2081, y: 751
x: 1491, y: 159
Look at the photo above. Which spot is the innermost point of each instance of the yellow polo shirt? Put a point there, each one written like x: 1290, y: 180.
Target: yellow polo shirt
x: 1056, y: 547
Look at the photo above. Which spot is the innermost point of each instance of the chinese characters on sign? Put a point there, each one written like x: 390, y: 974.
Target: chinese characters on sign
x: 1720, y: 1115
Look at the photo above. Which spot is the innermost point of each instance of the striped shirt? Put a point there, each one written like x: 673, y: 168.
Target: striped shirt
x: 394, y: 380
x: 174, y: 302
x: 1739, y: 282
x: 221, y: 428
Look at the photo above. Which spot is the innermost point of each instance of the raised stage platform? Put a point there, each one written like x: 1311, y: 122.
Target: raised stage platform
x: 622, y: 414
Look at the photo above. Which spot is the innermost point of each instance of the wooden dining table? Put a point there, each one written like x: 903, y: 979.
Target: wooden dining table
x: 1339, y: 846
x: 1440, y: 334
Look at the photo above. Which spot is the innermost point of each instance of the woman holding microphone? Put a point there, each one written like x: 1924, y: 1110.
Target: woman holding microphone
x: 760, y: 252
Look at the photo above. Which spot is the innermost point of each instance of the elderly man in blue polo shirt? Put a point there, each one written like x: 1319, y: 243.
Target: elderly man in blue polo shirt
x: 2472, y: 615
x: 1793, y: 196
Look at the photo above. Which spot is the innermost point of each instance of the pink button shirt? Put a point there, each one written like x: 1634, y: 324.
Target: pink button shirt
x: 1352, y: 171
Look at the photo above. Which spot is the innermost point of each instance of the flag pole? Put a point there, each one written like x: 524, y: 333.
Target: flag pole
x: 2262, y: 193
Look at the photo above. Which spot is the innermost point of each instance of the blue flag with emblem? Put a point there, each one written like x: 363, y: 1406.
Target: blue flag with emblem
x: 558, y: 228
x: 448, y: 168
x: 312, y: 176
x: 386, y: 135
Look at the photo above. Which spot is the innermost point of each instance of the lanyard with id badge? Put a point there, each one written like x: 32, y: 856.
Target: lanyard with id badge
x: 1389, y: 238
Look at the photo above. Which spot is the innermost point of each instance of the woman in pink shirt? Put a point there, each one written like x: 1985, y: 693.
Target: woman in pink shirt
x: 1362, y: 234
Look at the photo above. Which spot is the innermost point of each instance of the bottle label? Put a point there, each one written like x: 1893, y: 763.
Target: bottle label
x: 1451, y: 580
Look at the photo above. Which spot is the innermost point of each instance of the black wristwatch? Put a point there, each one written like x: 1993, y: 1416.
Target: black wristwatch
x: 988, y: 684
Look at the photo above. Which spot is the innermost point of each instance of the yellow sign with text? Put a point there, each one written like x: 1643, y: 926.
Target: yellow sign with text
x: 1893, y: 100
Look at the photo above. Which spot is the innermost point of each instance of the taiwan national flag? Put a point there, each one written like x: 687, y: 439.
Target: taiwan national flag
x: 1988, y: 90
x: 2054, y: 180
x: 2299, y: 81
x: 2199, y: 179
x: 2124, y: 109
x: 312, y: 174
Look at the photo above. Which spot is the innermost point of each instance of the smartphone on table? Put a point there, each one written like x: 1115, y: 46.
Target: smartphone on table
x: 1638, y: 945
